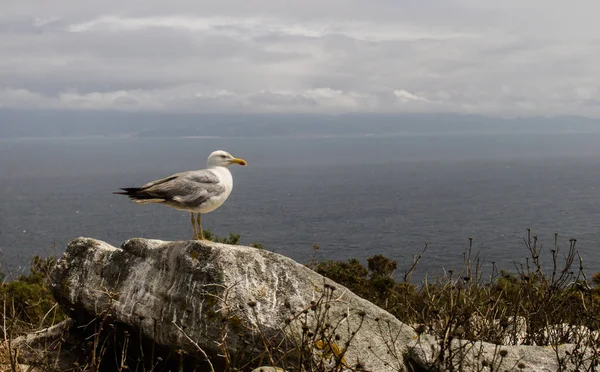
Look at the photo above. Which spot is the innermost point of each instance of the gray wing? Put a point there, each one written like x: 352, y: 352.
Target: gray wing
x: 187, y: 189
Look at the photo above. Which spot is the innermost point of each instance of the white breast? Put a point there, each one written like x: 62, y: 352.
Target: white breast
x: 225, y: 180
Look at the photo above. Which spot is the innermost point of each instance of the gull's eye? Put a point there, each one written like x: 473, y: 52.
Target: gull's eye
x: 223, y: 156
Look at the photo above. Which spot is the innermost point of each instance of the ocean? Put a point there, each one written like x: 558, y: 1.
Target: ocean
x: 352, y: 196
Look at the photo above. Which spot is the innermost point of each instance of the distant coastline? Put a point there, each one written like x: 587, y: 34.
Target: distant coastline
x: 93, y: 124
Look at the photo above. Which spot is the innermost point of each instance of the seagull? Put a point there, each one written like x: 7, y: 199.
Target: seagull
x: 198, y: 191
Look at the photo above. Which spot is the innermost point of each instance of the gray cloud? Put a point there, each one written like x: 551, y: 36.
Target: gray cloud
x: 497, y: 57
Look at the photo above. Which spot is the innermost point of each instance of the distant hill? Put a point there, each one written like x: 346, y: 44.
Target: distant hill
x: 39, y: 123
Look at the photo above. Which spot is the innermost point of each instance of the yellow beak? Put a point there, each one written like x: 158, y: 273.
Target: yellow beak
x: 239, y: 161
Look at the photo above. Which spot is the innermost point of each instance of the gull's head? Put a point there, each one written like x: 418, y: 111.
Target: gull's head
x: 223, y: 159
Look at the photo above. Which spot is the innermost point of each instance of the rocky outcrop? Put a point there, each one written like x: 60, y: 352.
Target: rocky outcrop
x: 227, y: 303
x: 461, y: 355
x: 193, y: 305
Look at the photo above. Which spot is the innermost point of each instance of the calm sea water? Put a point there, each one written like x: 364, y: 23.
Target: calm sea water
x: 354, y: 197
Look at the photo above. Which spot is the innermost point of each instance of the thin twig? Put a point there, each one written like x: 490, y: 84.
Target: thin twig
x: 212, y: 369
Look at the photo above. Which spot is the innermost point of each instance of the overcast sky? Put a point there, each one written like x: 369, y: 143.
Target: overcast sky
x: 502, y: 57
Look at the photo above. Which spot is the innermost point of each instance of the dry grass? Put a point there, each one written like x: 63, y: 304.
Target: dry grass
x: 531, y: 306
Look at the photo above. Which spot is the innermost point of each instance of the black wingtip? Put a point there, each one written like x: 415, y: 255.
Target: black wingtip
x: 127, y: 190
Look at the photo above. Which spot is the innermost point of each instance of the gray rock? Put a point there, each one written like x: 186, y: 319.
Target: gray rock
x: 482, y: 356
x: 208, y: 299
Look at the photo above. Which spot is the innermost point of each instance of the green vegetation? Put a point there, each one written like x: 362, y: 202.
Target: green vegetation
x: 233, y: 239
x: 27, y: 303
x: 502, y: 308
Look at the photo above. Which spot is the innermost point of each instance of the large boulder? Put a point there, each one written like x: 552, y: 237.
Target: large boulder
x: 228, y: 304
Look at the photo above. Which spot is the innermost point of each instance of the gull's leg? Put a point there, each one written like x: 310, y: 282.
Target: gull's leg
x: 194, y: 226
x: 199, y: 220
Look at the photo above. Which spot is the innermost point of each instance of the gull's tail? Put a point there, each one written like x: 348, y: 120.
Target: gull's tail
x: 138, y: 195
